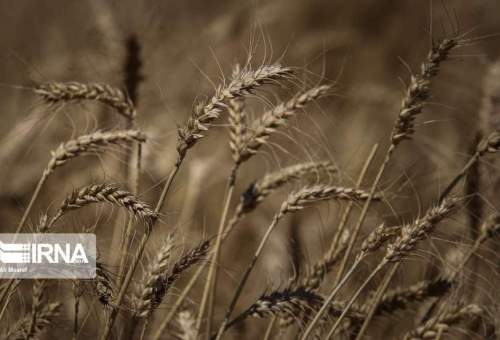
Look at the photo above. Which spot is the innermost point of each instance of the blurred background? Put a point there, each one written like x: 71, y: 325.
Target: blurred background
x: 367, y: 48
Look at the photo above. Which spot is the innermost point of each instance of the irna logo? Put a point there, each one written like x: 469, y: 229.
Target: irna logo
x: 47, y: 255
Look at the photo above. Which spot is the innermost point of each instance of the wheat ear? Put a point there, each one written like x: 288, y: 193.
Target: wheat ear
x: 148, y: 291
x: 74, y: 91
x: 109, y: 193
x: 295, y: 302
x: 257, y: 134
x: 152, y: 298
x: 83, y: 145
x: 242, y: 83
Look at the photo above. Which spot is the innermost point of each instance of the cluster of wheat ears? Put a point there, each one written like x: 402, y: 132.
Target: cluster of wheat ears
x: 130, y: 297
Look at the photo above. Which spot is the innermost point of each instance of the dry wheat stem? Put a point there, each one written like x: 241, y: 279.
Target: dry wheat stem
x: 269, y: 329
x: 140, y: 249
x: 250, y: 199
x: 431, y: 328
x: 406, y: 242
x: 211, y: 283
x: 489, y: 229
x: 244, y: 147
x: 412, y: 105
x: 295, y: 201
x: 347, y: 212
x: 491, y: 144
x: 378, y: 297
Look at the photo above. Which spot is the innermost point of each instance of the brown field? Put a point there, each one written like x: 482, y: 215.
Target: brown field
x: 255, y: 170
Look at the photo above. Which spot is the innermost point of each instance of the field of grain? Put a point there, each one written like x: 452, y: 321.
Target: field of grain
x: 255, y: 170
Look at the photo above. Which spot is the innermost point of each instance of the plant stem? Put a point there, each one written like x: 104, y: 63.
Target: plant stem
x: 459, y: 176
x: 246, y: 275
x: 353, y: 299
x: 330, y: 297
x: 350, y: 205
x: 376, y: 300
x: 211, y: 283
x: 269, y: 330
x: 190, y: 285
x: 41, y: 182
x: 114, y: 312
x: 362, y: 216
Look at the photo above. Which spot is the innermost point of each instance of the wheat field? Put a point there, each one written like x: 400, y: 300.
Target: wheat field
x: 265, y: 170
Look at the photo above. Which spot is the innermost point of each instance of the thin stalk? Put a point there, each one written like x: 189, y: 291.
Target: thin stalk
x: 244, y: 280
x: 330, y: 298
x: 439, y: 335
x: 454, y: 274
x: 350, y: 205
x: 190, y: 285
x: 114, y: 312
x: 211, y: 283
x: 41, y: 182
x: 144, y: 327
x: 376, y: 300
x: 459, y: 176
x: 362, y: 216
x: 352, y: 300
x: 178, y: 302
x: 269, y: 330
x: 77, y: 310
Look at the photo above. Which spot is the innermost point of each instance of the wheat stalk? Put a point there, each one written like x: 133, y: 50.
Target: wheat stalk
x: 402, y: 245
x: 454, y: 317
x: 295, y: 201
x: 251, y: 141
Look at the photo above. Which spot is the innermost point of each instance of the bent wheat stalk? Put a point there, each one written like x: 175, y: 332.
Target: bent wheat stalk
x: 84, y: 145
x: 411, y: 234
x: 295, y: 201
x: 250, y: 142
x: 251, y: 198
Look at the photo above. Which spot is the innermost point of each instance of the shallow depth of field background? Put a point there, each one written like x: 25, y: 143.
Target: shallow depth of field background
x: 364, y: 46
